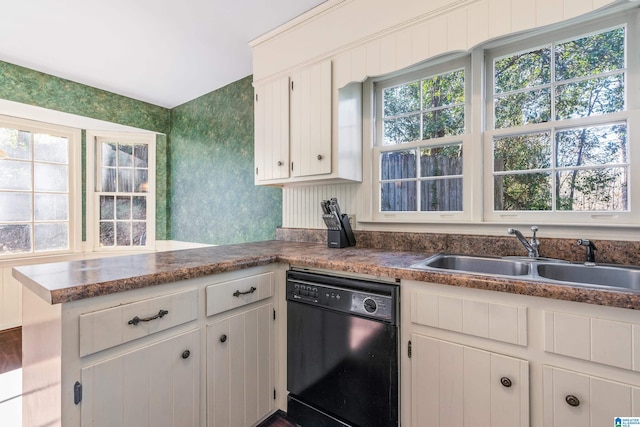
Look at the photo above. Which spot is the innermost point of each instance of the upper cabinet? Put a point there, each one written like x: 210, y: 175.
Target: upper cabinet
x: 305, y: 131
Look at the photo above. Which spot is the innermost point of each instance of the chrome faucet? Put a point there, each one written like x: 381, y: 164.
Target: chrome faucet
x: 590, y: 256
x: 532, y: 245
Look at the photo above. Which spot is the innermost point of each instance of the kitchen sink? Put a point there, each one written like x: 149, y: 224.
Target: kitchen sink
x: 476, y: 264
x: 536, y: 269
x: 618, y: 277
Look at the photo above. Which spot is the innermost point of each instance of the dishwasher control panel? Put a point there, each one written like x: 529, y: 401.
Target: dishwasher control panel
x: 376, y: 305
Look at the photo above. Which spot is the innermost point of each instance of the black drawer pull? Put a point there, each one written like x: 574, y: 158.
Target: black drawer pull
x: 505, y: 381
x: 223, y: 338
x: 186, y: 354
x: 250, y: 291
x: 572, y: 400
x: 137, y: 320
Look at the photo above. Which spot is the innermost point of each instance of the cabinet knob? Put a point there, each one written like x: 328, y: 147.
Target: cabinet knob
x: 186, y: 354
x: 223, y: 338
x: 320, y: 157
x: 279, y: 163
x: 572, y: 400
x: 505, y: 382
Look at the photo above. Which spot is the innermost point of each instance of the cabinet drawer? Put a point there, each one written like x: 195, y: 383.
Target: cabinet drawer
x: 107, y: 328
x: 236, y: 293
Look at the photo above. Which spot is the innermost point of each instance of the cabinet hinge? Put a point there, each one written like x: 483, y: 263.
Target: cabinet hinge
x: 409, y: 350
x: 256, y: 171
x: 292, y: 85
x: 274, y: 394
x: 77, y: 393
x: 256, y: 97
x: 274, y: 314
x: 291, y: 166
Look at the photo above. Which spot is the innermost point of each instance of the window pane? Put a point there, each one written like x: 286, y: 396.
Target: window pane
x: 123, y: 207
x: 441, y: 161
x: 442, y: 90
x: 523, y: 108
x: 398, y: 164
x: 402, y: 129
x: 15, y: 207
x: 15, y: 238
x: 141, y: 153
x: 107, y: 233
x: 107, y: 209
x: 49, y: 237
x: 398, y: 196
x: 592, y: 190
x: 142, y: 181
x: 441, y: 195
x: 125, y: 180
x: 109, y: 179
x: 125, y: 155
x: 108, y: 153
x: 590, y: 55
x: 590, y: 97
x: 598, y: 145
x: 523, y: 70
x: 123, y: 233
x: 16, y: 143
x: 401, y: 99
x: 523, y: 192
x: 51, y: 207
x: 139, y: 233
x: 444, y: 122
x: 51, y: 177
x: 522, y: 152
x: 15, y: 175
x: 49, y: 148
x: 139, y: 208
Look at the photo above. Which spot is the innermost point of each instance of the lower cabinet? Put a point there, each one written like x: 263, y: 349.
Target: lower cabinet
x: 240, y: 368
x: 456, y: 385
x: 155, y: 385
x: 574, y: 399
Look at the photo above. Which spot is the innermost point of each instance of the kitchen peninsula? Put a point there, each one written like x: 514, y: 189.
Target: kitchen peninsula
x: 88, y: 362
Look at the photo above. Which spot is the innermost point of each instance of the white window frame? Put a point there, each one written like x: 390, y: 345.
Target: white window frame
x: 93, y: 138
x: 631, y: 115
x: 435, y: 68
x: 74, y: 137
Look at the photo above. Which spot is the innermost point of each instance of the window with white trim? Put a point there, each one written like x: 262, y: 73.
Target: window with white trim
x: 122, y: 190
x: 39, y: 188
x: 559, y: 125
x: 421, y: 128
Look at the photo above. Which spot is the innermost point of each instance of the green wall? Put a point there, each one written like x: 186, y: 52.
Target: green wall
x: 210, y: 196
x: 213, y: 198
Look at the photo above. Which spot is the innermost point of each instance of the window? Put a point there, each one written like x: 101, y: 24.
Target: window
x: 559, y: 125
x: 421, y: 128
x: 123, y: 199
x: 38, y: 188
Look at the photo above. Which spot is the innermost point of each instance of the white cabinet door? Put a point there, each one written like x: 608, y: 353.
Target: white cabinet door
x: 271, y: 119
x: 311, y: 120
x: 456, y: 385
x: 156, y: 385
x: 573, y: 399
x: 240, y: 368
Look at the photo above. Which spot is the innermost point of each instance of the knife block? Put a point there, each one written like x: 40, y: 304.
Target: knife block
x: 343, y: 237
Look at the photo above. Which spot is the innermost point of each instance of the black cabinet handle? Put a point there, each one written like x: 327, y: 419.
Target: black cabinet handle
x: 186, y: 354
x: 505, y: 382
x: 223, y: 338
x: 250, y: 291
x: 137, y: 320
x: 572, y: 400
x: 320, y: 157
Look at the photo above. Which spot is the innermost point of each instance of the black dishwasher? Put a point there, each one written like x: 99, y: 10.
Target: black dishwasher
x: 342, y: 351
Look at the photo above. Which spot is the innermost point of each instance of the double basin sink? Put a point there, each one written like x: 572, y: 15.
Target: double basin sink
x: 537, y: 269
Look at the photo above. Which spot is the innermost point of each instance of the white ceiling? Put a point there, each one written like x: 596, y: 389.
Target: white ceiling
x: 165, y: 52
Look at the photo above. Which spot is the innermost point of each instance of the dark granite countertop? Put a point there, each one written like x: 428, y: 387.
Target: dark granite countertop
x: 69, y: 281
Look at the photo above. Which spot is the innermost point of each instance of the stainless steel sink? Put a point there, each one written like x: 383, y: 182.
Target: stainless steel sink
x: 618, y: 277
x: 476, y: 264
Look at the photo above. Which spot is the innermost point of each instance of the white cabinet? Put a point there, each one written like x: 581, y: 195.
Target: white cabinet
x: 573, y: 399
x: 272, y: 130
x: 240, y: 368
x: 304, y: 132
x: 457, y: 385
x: 311, y: 120
x: 154, y: 385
